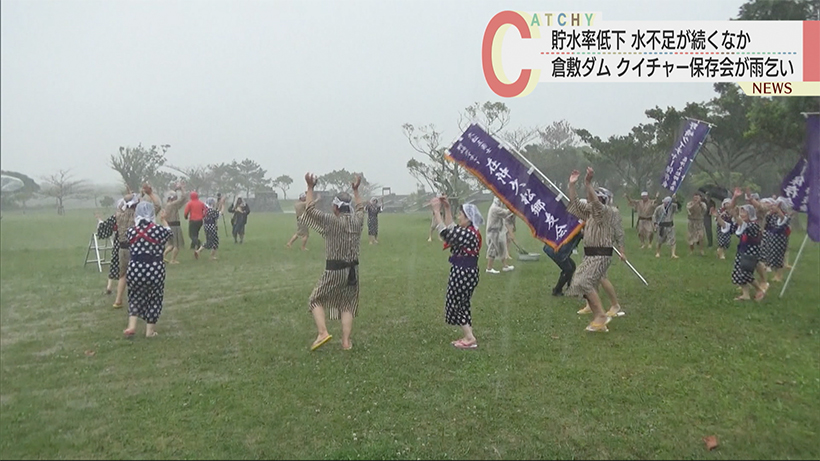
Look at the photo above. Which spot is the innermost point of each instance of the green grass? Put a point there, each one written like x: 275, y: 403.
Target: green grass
x: 231, y: 375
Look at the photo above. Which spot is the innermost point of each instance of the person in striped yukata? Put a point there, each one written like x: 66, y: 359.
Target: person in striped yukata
x: 598, y: 237
x: 607, y: 198
x: 338, y: 288
x: 176, y: 200
x: 301, y: 229
x: 663, y: 220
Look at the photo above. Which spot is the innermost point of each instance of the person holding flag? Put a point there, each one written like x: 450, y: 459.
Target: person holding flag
x: 598, y: 235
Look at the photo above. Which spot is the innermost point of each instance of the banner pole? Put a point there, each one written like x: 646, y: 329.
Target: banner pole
x: 534, y: 168
x: 794, y: 265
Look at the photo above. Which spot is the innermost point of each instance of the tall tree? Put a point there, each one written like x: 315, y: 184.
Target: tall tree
x: 493, y: 116
x: 197, y: 178
x: 441, y: 175
x: 520, y: 137
x: 558, y: 135
x: 637, y: 157
x: 61, y: 186
x: 728, y: 149
x: 139, y: 164
x: 340, y: 181
x: 283, y: 182
x: 433, y: 169
x: 224, y: 178
x: 251, y: 176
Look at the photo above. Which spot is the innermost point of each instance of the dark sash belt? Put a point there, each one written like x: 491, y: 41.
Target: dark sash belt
x: 146, y: 258
x: 124, y: 245
x: 467, y: 262
x: 337, y: 265
x: 644, y: 219
x: 597, y: 251
x: 666, y: 224
x: 173, y: 223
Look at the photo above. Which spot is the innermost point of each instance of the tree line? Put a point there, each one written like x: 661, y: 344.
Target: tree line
x: 139, y: 164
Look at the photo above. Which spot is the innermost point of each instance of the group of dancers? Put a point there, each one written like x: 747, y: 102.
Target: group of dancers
x: 141, y: 248
x: 143, y: 252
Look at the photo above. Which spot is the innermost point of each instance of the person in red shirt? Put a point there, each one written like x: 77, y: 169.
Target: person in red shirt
x: 194, y: 213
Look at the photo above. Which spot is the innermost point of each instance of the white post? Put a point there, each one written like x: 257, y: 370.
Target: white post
x: 794, y: 265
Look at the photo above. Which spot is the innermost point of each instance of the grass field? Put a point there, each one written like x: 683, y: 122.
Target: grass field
x: 231, y: 375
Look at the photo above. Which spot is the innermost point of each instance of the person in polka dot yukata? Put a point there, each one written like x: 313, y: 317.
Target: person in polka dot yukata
x: 145, y: 275
x: 464, y: 241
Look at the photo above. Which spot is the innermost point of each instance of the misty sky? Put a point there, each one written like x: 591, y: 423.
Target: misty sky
x: 295, y: 85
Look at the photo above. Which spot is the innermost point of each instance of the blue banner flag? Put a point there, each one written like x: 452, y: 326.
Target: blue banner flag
x: 692, y: 135
x: 795, y: 186
x: 515, y: 185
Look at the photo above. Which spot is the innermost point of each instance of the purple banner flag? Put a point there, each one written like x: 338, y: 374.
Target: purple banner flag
x: 693, y: 133
x: 515, y: 185
x: 813, y: 176
x: 796, y: 187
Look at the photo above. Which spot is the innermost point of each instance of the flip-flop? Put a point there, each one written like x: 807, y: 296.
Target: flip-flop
x: 597, y: 327
x: 462, y: 345
x: 320, y: 343
x: 116, y: 306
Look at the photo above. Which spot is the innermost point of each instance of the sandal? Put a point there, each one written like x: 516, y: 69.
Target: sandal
x: 599, y: 327
x: 321, y: 342
x: 461, y: 344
